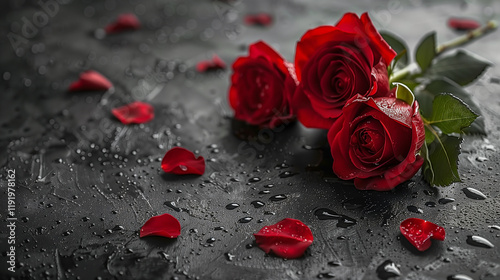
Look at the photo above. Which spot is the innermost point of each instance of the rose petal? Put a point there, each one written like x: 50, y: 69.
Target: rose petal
x: 182, y: 161
x: 288, y: 238
x: 136, y: 112
x: 124, y: 22
x: 463, y: 24
x: 420, y: 232
x: 210, y: 65
x: 261, y: 19
x: 162, y: 225
x: 90, y: 80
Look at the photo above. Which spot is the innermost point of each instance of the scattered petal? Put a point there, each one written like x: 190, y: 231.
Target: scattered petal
x: 210, y: 65
x: 136, y: 112
x: 90, y: 80
x: 288, y: 238
x: 420, y: 232
x: 124, y: 22
x: 162, y: 225
x: 260, y: 19
x: 182, y: 161
x: 463, y: 24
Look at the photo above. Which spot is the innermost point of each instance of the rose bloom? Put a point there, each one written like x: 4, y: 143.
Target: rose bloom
x: 334, y: 63
x: 375, y: 142
x: 262, y: 85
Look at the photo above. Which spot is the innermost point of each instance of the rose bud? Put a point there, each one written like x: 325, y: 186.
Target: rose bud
x: 262, y: 84
x: 334, y: 63
x: 375, y: 142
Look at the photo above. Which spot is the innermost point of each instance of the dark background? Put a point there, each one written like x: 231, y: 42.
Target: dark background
x: 86, y: 183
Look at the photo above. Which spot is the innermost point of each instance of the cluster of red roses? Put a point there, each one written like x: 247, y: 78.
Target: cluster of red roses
x: 340, y: 82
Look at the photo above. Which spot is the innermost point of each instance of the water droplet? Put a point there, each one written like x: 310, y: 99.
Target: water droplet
x: 287, y: 174
x: 326, y: 275
x: 183, y: 167
x: 387, y: 270
x: 446, y: 200
x: 343, y: 221
x: 232, y: 206
x: 269, y: 186
x: 334, y: 263
x: 257, y: 203
x: 278, y: 197
x: 479, y: 241
x: 229, y: 256
x: 481, y: 159
x: 430, y: 204
x: 254, y: 180
x: 459, y: 277
x: 171, y: 205
x: 415, y: 209
x: 117, y: 228
x: 474, y: 194
x: 494, y: 227
x: 211, y: 240
x: 245, y: 220
x: 265, y: 192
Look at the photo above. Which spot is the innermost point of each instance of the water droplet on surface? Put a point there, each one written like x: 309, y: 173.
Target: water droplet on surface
x: 278, y: 197
x: 343, y: 221
x: 326, y: 275
x: 254, y: 180
x: 459, y: 277
x: 334, y: 263
x: 494, y: 227
x: 474, y: 194
x: 415, y: 209
x: 245, y: 220
x: 388, y: 269
x: 171, y: 205
x: 211, y: 240
x: 229, y: 256
x: 232, y: 206
x: 265, y: 192
x: 287, y: 174
x: 446, y: 200
x: 479, y: 241
x: 183, y: 167
x: 257, y: 203
x: 430, y: 204
x: 269, y: 186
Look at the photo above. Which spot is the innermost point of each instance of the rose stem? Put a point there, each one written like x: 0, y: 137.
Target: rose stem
x: 455, y: 43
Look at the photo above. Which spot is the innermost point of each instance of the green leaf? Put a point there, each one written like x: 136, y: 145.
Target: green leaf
x: 441, y: 160
x: 404, y: 93
x: 426, y: 51
x: 451, y: 114
x: 462, y: 67
x: 429, y: 136
x: 437, y: 86
x: 399, y: 46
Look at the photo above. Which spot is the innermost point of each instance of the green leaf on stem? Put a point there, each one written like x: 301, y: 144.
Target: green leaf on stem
x: 461, y: 67
x: 425, y: 97
x: 450, y: 114
x: 426, y: 51
x: 441, y: 160
x: 399, y: 46
x: 404, y: 93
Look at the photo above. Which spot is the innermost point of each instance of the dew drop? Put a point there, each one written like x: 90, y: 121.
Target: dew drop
x: 278, y: 197
x: 388, y: 269
x: 287, y: 174
x: 343, y: 221
x: 415, y: 209
x: 257, y: 203
x: 430, y: 204
x: 171, y: 205
x: 446, y: 200
x: 474, y: 194
x: 230, y: 257
x: 459, y: 277
x: 245, y: 220
x: 254, y: 180
x: 183, y: 167
x: 232, y: 206
x: 479, y: 241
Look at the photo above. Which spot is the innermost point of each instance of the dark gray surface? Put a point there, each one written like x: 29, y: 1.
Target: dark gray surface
x: 86, y: 183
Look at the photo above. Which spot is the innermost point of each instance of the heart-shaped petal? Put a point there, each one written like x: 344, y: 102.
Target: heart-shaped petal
x: 124, y: 22
x: 90, y: 80
x: 162, y: 225
x: 136, y: 112
x: 210, y: 65
x: 182, y: 161
x: 420, y: 232
x: 463, y: 24
x: 288, y: 238
x: 260, y: 19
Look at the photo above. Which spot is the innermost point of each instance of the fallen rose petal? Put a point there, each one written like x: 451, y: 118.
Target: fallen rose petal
x: 136, y: 112
x: 420, y: 232
x: 90, y: 80
x: 288, y: 238
x: 463, y: 24
x: 260, y: 19
x: 162, y: 225
x: 124, y: 22
x: 182, y: 161
x: 210, y: 65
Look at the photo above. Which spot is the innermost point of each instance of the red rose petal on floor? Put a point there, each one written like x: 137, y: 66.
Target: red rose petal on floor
x: 210, y: 65
x: 288, y: 238
x: 124, y: 22
x: 182, y: 161
x: 136, y: 112
x: 90, y: 80
x: 260, y: 19
x: 420, y: 232
x: 162, y: 225
x: 463, y: 24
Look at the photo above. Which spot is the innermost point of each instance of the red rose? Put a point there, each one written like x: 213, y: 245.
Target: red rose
x: 375, y: 142
x: 334, y: 63
x: 261, y: 87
